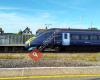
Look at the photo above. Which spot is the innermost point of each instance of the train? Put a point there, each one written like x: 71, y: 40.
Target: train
x: 66, y: 39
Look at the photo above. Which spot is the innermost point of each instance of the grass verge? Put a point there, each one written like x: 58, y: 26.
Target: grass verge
x: 54, y: 56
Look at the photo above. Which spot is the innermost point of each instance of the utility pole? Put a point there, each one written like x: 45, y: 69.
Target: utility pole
x: 91, y: 25
x: 47, y: 25
x: 80, y: 21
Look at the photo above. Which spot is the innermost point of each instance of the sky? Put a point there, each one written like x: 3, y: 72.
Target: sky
x: 16, y: 15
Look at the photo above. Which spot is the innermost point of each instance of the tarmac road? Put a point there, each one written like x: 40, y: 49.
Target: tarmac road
x: 82, y: 78
x: 44, y: 73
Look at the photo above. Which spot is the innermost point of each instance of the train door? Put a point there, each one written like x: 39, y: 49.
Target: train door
x: 65, y: 39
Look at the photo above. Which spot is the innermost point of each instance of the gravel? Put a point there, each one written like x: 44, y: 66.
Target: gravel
x: 19, y: 63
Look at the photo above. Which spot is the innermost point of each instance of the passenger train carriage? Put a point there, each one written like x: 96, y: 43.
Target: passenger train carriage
x: 67, y: 38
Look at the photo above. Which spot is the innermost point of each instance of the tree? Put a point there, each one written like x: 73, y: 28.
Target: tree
x: 20, y: 32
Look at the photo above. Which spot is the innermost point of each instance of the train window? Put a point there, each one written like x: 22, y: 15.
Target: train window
x: 65, y: 36
x: 75, y: 37
x: 93, y: 37
x: 99, y: 37
x: 48, y: 34
x: 84, y: 37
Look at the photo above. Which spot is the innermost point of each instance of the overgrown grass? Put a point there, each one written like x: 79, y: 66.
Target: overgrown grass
x: 56, y: 56
x: 75, y: 56
x: 12, y: 56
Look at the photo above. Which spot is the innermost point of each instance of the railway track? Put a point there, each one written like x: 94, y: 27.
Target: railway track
x: 67, y: 49
x: 75, y: 49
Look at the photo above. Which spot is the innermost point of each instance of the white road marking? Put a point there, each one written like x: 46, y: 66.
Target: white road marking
x: 50, y: 67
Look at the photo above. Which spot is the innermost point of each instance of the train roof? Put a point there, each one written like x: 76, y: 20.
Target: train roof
x: 71, y: 29
x: 74, y: 30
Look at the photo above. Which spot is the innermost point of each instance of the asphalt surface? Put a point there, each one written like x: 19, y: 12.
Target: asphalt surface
x: 82, y: 78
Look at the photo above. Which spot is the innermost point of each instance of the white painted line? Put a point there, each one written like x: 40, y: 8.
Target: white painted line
x: 50, y: 67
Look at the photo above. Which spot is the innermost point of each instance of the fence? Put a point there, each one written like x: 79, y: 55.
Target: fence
x: 14, y: 39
